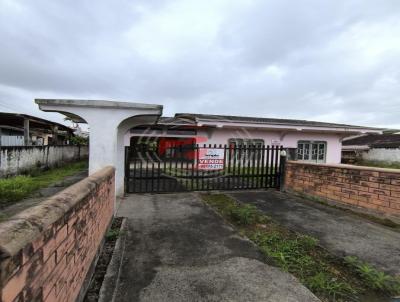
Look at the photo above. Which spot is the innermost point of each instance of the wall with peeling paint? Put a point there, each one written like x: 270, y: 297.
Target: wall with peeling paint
x: 19, y: 159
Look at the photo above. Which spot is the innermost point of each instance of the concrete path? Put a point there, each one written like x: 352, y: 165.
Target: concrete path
x: 174, y: 248
x: 339, y: 231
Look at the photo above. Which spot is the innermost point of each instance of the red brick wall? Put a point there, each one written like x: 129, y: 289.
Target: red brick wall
x: 47, y: 250
x: 370, y: 188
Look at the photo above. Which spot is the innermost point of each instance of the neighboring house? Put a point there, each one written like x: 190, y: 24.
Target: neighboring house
x: 25, y: 130
x: 79, y: 132
x: 312, y: 141
x: 372, y: 147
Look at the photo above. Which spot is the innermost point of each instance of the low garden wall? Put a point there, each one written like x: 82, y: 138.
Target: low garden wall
x: 20, y: 159
x: 389, y: 155
x: 48, y: 252
x: 374, y: 189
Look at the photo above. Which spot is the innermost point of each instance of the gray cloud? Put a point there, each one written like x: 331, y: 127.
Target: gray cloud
x: 331, y: 61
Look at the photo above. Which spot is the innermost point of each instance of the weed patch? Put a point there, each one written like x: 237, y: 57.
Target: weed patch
x: 16, y: 188
x: 113, y: 234
x: 330, y: 278
x: 374, y: 278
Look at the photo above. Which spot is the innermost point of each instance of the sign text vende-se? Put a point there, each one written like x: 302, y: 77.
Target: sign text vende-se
x: 211, y: 159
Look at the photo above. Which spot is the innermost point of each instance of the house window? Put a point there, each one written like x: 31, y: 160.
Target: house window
x: 313, y: 151
x: 249, y: 154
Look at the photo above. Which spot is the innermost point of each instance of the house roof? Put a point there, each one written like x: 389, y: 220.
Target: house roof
x: 267, y: 121
x: 375, y: 141
x: 176, y: 121
x: 16, y: 121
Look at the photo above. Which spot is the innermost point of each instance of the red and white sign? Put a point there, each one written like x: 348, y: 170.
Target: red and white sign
x: 211, y: 159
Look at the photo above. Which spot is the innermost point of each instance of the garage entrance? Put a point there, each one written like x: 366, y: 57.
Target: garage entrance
x: 157, y: 168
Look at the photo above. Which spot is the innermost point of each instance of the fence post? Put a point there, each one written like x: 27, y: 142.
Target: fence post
x: 282, y: 168
x: 127, y: 169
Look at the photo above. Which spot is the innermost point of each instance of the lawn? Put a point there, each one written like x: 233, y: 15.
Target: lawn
x: 16, y: 188
x: 328, y: 277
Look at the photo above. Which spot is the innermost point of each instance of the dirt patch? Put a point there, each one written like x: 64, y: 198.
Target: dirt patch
x: 112, y: 235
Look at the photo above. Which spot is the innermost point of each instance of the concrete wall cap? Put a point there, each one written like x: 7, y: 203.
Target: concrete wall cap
x: 27, y: 226
x: 344, y: 166
x: 97, y: 103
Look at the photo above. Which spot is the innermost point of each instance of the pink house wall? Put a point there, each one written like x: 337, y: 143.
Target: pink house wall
x: 289, y: 140
x: 221, y: 136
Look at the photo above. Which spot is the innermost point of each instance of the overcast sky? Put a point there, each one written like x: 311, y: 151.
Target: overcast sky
x: 336, y: 61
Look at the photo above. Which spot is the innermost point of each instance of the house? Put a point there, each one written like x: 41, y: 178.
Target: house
x: 26, y: 130
x: 372, y: 147
x: 311, y: 141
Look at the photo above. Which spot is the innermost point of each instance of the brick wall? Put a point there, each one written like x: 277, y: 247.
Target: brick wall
x: 47, y: 251
x: 375, y: 189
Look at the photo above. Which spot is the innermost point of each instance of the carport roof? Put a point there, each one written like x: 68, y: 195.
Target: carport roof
x: 16, y: 120
x: 375, y: 141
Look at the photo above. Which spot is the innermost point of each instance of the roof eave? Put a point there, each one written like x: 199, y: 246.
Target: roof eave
x: 274, y: 126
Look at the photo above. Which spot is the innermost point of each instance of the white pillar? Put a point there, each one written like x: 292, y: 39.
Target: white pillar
x: 108, y: 122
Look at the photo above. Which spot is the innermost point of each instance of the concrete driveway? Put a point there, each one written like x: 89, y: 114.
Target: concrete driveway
x: 340, y: 232
x: 174, y: 248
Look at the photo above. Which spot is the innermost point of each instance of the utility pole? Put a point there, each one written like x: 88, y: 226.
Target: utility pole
x: 27, y: 138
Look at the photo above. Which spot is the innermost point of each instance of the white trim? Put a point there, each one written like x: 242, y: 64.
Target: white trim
x: 238, y: 124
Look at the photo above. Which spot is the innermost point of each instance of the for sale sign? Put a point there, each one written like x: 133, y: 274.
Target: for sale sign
x: 210, y: 159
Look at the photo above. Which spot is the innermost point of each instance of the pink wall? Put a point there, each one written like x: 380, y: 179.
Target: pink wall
x: 222, y: 135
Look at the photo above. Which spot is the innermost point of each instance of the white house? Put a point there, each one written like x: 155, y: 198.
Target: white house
x: 313, y: 141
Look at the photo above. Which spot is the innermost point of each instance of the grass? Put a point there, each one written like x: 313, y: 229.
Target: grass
x: 113, y: 234
x: 378, y: 164
x: 16, y: 188
x: 328, y: 277
x: 374, y: 278
x: 3, y: 217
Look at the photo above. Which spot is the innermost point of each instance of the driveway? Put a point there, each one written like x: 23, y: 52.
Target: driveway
x: 340, y: 232
x: 174, y: 248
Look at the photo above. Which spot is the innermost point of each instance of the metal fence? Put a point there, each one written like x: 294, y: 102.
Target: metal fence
x: 202, y: 168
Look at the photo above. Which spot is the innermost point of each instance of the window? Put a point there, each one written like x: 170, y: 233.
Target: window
x: 248, y: 153
x: 314, y: 151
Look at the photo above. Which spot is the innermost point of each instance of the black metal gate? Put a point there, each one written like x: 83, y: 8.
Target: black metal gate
x: 148, y: 169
